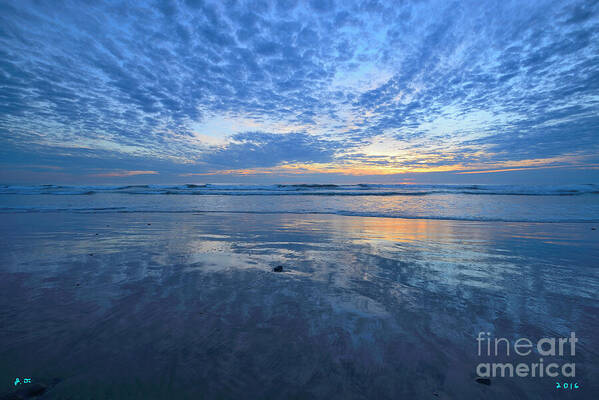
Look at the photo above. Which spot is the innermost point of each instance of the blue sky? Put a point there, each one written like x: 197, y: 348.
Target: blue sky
x: 289, y: 91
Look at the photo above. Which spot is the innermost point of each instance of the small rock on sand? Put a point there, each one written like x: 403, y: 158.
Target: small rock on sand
x: 483, y: 381
x: 27, y: 391
x: 35, y: 389
x: 278, y: 268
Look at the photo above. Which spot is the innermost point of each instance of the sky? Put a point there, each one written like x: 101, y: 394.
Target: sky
x: 299, y: 91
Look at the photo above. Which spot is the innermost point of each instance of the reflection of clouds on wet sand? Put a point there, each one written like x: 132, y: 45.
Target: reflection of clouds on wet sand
x: 365, y: 307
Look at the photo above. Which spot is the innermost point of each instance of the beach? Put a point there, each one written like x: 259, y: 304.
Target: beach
x: 299, y: 200
x: 187, y: 305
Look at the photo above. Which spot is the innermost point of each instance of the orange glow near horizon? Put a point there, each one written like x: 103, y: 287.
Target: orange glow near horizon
x: 297, y: 169
x: 356, y: 169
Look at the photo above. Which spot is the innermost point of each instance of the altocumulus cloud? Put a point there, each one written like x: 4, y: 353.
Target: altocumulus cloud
x: 259, y: 149
x: 140, y: 83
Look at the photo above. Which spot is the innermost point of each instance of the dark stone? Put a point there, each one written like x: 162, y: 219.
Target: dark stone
x: 483, y: 381
x: 33, y: 389
x: 77, y: 284
x: 149, y: 224
x: 593, y: 229
x: 97, y: 234
x: 278, y: 268
x: 26, y: 391
x: 91, y: 254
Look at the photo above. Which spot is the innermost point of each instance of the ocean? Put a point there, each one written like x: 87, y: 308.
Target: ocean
x: 510, y: 203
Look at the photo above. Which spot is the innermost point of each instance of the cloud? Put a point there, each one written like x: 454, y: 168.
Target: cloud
x: 125, y: 173
x: 260, y: 149
x: 448, y: 83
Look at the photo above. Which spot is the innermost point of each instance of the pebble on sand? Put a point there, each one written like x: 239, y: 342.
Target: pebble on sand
x: 35, y: 389
x: 278, y: 268
x: 483, y: 381
x: 28, y: 391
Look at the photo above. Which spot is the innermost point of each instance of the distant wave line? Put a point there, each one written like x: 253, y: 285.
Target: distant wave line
x: 305, y: 190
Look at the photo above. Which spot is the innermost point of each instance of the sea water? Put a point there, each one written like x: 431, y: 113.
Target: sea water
x: 569, y: 203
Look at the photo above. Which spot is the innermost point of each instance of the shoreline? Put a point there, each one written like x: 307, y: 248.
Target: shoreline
x: 307, y: 213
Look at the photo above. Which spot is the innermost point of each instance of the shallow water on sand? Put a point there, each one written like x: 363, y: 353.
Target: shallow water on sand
x: 187, y: 306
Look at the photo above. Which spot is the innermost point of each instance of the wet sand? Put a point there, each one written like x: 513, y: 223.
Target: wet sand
x: 175, y: 306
